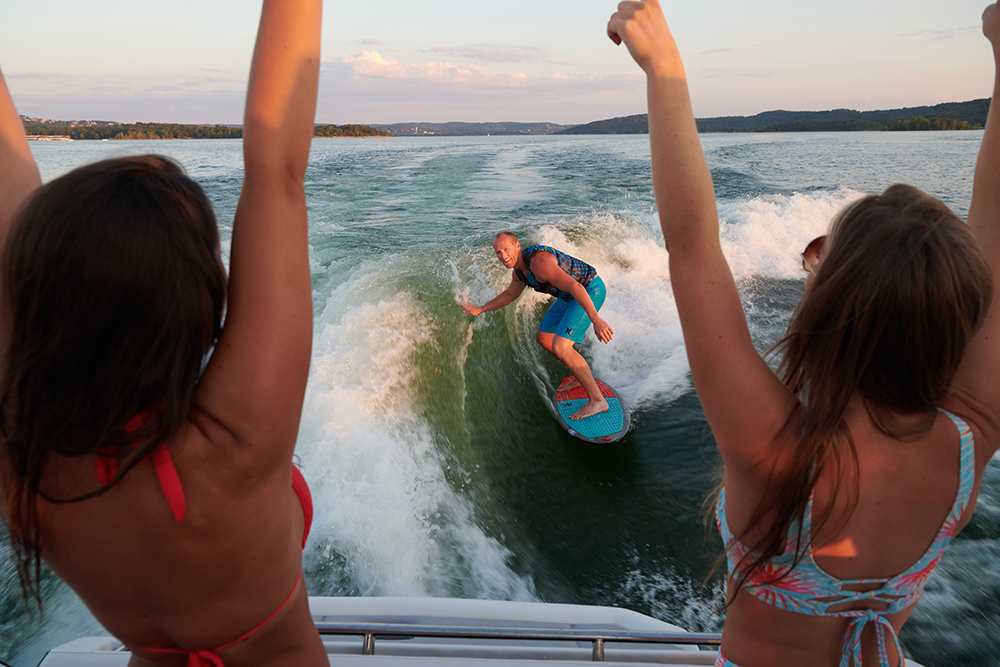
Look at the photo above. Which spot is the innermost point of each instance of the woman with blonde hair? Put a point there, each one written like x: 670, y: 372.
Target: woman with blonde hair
x: 848, y: 472
x: 145, y: 446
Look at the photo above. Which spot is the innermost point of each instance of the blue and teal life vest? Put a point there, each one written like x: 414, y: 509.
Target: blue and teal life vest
x: 579, y: 270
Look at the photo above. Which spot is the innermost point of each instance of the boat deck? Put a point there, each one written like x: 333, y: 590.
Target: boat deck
x: 389, y: 632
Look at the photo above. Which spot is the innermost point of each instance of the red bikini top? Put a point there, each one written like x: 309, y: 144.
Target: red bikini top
x: 106, y: 467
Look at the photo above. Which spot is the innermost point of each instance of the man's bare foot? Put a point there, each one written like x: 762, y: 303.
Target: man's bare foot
x: 572, y: 384
x: 590, y: 409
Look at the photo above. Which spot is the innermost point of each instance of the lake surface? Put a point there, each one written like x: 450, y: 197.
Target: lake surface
x: 437, y: 468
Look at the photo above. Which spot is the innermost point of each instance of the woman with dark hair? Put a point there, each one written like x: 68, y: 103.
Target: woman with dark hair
x: 145, y: 447
x: 848, y: 472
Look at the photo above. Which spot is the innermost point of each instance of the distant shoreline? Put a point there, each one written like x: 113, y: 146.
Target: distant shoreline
x: 950, y: 116
x: 49, y: 130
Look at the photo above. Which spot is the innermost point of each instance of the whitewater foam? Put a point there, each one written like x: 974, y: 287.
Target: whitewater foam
x: 386, y: 510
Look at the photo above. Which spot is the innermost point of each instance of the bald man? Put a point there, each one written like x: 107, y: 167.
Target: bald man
x: 579, y: 293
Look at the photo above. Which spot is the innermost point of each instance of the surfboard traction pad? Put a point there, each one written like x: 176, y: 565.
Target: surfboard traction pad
x: 600, y: 429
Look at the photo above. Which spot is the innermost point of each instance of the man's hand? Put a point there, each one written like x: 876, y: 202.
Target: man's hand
x: 603, y: 331
x: 469, y: 308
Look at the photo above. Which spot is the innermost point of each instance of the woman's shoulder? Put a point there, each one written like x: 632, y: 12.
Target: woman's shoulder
x: 982, y: 422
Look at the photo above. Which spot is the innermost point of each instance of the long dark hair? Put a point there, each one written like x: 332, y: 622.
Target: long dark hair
x: 114, y: 293
x: 901, y: 291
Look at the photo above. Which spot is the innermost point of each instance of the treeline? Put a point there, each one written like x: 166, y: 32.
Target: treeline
x: 638, y: 124
x: 135, y: 131
x: 948, y: 116
x: 859, y: 125
x: 349, y: 131
x: 176, y: 131
x: 921, y: 123
x: 972, y: 112
x: 856, y: 125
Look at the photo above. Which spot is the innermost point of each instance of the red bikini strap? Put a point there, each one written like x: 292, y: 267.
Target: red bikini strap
x: 106, y: 467
x: 305, y: 498
x: 199, y: 658
x: 208, y: 658
x: 266, y: 620
x: 170, y: 482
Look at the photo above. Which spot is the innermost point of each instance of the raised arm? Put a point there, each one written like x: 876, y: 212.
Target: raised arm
x: 985, y: 206
x: 18, y: 172
x: 976, y: 385
x: 255, y: 382
x: 744, y: 402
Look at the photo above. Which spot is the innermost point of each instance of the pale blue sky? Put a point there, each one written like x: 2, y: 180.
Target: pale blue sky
x: 443, y: 60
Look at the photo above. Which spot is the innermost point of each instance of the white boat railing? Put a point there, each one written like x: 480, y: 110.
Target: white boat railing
x: 597, y: 638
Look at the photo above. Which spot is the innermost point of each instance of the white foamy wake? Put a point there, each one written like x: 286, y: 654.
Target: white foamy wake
x: 385, y: 509
x: 765, y: 236
x: 647, y: 361
x: 388, y: 509
x: 674, y: 598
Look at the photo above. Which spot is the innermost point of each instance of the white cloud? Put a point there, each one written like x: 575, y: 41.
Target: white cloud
x: 758, y: 75
x: 947, y: 33
x: 369, y: 88
x: 491, y: 53
x: 372, y: 64
x: 730, y: 50
x: 102, y: 97
x: 39, y: 76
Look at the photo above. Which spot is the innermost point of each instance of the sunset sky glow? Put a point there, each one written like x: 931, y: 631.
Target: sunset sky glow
x: 444, y: 60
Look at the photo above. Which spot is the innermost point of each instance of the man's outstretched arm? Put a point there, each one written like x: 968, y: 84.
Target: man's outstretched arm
x: 505, y: 298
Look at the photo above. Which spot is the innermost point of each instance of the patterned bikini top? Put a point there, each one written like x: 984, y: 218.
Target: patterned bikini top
x: 577, y: 269
x: 805, y: 588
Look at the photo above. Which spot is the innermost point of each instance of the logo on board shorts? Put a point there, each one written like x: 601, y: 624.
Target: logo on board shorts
x: 569, y: 330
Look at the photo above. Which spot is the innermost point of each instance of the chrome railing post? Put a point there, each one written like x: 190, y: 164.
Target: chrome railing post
x: 369, y: 647
x: 598, y: 650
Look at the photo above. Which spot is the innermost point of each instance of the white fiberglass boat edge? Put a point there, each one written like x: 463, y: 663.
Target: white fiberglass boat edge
x: 401, y: 632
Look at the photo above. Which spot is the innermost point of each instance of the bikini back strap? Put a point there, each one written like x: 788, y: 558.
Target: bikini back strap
x: 208, y: 657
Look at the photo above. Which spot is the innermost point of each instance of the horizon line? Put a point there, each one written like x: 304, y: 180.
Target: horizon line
x: 484, y: 122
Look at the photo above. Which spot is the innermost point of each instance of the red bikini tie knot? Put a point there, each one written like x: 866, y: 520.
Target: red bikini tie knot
x: 203, y: 658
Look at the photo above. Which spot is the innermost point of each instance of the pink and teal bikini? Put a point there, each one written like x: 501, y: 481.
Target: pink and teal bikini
x: 805, y: 588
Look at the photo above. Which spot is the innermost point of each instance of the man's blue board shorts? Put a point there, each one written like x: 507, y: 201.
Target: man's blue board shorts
x: 568, y: 319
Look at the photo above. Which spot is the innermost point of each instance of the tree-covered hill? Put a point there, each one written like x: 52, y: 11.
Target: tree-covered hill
x: 349, y: 131
x: 98, y: 130
x: 965, y: 115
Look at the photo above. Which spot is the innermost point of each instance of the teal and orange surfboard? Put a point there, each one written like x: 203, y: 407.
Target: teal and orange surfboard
x: 600, y: 429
